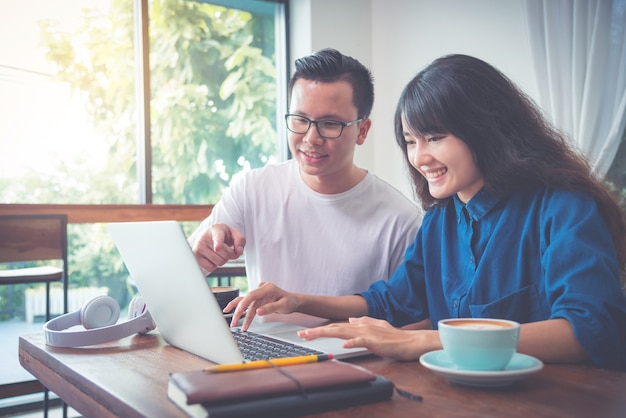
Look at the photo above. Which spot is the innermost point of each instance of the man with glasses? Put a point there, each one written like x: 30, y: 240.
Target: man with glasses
x: 317, y: 223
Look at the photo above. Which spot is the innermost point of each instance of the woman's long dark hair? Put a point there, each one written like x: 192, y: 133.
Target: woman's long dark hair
x: 515, y: 147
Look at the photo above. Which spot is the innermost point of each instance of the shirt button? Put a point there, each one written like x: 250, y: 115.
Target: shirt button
x: 456, y: 303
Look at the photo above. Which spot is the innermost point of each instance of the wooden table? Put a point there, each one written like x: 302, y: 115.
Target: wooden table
x: 128, y: 378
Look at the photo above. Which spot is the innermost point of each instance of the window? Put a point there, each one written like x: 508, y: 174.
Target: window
x: 616, y: 176
x: 132, y: 102
x: 74, y: 101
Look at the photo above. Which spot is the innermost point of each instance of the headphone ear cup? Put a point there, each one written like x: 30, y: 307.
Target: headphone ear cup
x: 136, y: 307
x: 99, y: 312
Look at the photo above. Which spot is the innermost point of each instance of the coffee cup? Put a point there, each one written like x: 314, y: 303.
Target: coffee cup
x: 224, y: 294
x: 482, y: 344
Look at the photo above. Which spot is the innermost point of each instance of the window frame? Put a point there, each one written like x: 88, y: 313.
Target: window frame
x: 142, y: 58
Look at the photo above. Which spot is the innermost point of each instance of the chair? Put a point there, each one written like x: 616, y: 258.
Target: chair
x: 25, y: 238
x: 224, y: 274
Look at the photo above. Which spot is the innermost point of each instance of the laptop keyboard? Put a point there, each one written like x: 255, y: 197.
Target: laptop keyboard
x: 255, y: 346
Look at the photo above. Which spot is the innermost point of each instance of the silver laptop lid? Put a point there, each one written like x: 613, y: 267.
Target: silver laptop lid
x: 167, y: 275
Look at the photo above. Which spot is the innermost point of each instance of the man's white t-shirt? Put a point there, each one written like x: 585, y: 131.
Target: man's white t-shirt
x: 313, y: 243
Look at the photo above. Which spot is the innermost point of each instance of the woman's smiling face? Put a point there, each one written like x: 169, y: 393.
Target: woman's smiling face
x: 446, y: 162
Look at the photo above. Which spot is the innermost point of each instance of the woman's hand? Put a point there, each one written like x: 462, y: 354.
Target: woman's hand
x: 269, y: 298
x: 266, y: 299
x: 379, y: 337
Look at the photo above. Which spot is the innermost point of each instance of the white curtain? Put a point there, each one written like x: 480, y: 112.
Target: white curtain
x: 579, y: 53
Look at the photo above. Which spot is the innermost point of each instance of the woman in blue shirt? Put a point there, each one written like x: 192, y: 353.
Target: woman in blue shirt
x: 516, y: 227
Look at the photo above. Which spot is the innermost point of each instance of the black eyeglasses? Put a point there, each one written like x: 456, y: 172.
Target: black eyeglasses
x: 327, y: 128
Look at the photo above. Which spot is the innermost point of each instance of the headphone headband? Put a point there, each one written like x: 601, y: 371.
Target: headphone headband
x: 99, y: 329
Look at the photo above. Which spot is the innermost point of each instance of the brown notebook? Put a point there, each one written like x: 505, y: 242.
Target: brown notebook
x: 308, y: 388
x: 205, y: 387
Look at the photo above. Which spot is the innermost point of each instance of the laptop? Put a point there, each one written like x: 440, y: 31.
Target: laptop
x: 168, y: 277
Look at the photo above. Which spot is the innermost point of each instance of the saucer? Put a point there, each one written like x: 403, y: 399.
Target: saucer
x: 518, y: 368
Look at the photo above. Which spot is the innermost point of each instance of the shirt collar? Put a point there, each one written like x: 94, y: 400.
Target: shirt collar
x: 477, y: 207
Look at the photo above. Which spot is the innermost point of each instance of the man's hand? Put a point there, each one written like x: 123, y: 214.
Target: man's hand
x: 215, y: 245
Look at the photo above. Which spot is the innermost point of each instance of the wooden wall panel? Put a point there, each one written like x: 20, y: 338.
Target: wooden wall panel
x: 113, y: 213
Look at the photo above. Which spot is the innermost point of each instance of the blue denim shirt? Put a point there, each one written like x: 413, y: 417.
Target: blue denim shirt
x: 530, y: 257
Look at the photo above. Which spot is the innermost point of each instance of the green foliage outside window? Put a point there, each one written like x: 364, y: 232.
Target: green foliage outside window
x: 213, y: 94
x: 212, y: 110
x: 616, y: 176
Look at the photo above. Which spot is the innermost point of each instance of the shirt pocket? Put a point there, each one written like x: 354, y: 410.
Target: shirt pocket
x: 523, y: 305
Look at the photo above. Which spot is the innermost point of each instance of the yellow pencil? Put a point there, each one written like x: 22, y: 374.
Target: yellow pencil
x: 263, y: 364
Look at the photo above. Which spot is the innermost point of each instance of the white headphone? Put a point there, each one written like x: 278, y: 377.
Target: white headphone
x: 98, y: 316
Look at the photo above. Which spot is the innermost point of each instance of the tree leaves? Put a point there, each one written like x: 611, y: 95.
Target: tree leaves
x: 212, y: 92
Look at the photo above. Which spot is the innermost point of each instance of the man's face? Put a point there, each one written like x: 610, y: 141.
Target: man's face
x: 326, y: 165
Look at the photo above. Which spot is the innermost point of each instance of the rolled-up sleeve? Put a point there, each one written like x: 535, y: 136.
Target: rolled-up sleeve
x: 581, y: 278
